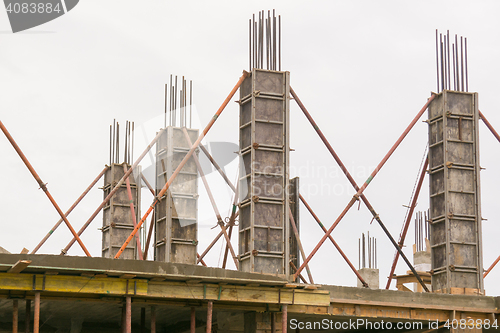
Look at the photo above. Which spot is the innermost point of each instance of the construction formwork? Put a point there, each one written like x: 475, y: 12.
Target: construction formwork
x: 176, y: 213
x: 455, y: 205
x: 264, y: 176
x: 294, y: 208
x: 118, y: 223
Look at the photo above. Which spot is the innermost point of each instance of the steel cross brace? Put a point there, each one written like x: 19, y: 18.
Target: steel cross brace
x: 183, y: 162
x: 360, y: 190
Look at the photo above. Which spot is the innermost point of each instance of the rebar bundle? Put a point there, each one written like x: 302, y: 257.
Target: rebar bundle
x: 114, y: 143
x: 421, y: 230
x: 367, y: 249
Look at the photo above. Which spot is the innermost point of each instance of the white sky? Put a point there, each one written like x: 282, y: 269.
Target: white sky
x: 362, y: 68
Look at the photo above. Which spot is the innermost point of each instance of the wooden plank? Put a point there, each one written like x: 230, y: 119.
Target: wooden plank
x: 19, y: 266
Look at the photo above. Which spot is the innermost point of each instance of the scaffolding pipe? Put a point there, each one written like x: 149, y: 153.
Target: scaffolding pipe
x: 212, y: 200
x: 333, y: 242
x: 132, y: 212
x: 113, y: 191
x: 360, y: 191
x: 408, y: 220
x: 184, y: 161
x: 209, y: 247
x: 43, y: 186
x: 299, y: 243
x: 87, y: 190
x: 153, y: 319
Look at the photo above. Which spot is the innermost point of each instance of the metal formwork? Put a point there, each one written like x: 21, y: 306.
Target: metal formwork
x: 264, y: 148
x: 117, y: 223
x: 176, y: 213
x: 455, y: 210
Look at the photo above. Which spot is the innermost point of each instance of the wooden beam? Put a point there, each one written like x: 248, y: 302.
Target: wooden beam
x: 19, y: 266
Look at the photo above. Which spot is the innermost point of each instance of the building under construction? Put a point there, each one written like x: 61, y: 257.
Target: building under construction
x: 272, y: 289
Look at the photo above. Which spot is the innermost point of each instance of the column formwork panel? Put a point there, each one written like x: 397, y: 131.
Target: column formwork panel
x: 117, y: 217
x: 176, y: 213
x: 264, y: 175
x: 455, y: 205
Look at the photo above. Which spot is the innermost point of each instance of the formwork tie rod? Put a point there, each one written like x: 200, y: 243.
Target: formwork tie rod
x: 360, y: 191
x: 183, y: 162
x: 43, y: 186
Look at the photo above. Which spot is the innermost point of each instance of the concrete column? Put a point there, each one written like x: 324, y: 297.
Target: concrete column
x: 15, y: 316
x: 36, y: 321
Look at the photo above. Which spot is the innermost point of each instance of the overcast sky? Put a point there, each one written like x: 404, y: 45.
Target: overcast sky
x: 362, y: 68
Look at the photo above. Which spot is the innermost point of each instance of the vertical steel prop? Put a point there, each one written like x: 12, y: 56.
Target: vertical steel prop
x: 113, y: 191
x: 184, y: 161
x: 284, y: 319
x: 80, y: 198
x: 408, y: 220
x: 360, y: 191
x: 333, y: 242
x: 43, y: 186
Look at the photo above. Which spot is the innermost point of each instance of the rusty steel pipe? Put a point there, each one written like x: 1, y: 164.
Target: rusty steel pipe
x: 27, y: 316
x: 295, y: 269
x: 284, y: 319
x: 299, y: 243
x: 222, y: 173
x: 200, y: 260
x: 36, y: 320
x: 87, y: 190
x: 15, y: 316
x: 212, y: 200
x: 184, y: 161
x: 408, y: 220
x: 363, y: 187
x: 193, y: 319
x: 150, y: 188
x: 113, y: 191
x: 150, y: 234
x: 153, y: 319
x: 490, y: 127
x: 491, y: 267
x: 43, y: 186
x: 132, y: 212
x: 333, y: 242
